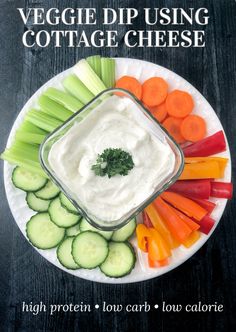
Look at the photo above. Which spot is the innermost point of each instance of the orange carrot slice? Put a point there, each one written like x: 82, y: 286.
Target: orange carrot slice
x: 159, y: 112
x: 193, y: 128
x: 130, y: 84
x: 154, y: 91
x: 179, y: 104
x: 172, y: 125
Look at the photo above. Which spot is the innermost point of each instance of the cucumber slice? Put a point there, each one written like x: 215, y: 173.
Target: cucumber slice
x: 66, y: 203
x: 60, y: 216
x: 73, y: 231
x: 89, y: 249
x: 26, y: 180
x: 43, y: 233
x: 49, y: 191
x: 37, y: 204
x: 64, y: 254
x: 120, y: 260
x: 125, y: 232
x: 85, y: 226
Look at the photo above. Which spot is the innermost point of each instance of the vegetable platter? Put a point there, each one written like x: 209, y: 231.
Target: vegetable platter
x: 127, y: 255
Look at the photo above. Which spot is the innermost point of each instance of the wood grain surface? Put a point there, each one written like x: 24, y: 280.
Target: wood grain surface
x: 209, y: 276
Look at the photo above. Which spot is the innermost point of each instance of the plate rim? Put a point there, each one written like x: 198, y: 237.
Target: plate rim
x: 104, y: 279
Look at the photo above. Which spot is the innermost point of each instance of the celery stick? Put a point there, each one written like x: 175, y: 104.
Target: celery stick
x: 29, y: 137
x: 74, y: 86
x: 25, y: 149
x: 108, y: 72
x: 42, y: 120
x: 54, y: 109
x: 90, y: 79
x: 95, y: 63
x: 29, y: 127
x: 24, y: 163
x: 64, y: 98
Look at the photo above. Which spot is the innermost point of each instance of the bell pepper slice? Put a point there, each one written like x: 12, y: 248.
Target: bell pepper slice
x: 175, y: 224
x: 206, y: 170
x: 192, y: 224
x: 153, y: 263
x: 160, y: 226
x: 158, y: 249
x: 193, y: 238
x: 142, y: 233
x: 185, y: 205
x: 222, y: 189
x: 146, y: 220
x: 206, y: 224
x: 192, y: 188
x: 207, y: 205
x: 222, y: 162
x: 206, y: 147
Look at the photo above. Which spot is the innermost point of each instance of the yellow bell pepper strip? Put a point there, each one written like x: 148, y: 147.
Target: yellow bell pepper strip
x: 159, y: 224
x: 175, y: 224
x: 205, y: 170
x: 142, y: 233
x: 193, y: 238
x: 158, y: 249
x: 222, y: 162
x: 185, y: 205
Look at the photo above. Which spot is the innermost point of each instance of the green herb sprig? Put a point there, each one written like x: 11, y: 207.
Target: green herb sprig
x: 112, y: 162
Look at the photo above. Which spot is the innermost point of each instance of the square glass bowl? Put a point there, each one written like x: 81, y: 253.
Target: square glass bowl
x: 153, y: 126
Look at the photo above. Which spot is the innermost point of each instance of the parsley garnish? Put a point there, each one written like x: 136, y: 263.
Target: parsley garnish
x: 113, y: 162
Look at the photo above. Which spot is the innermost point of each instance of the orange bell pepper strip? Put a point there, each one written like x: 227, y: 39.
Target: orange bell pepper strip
x: 185, y: 205
x: 193, y: 238
x: 206, y: 170
x: 159, y: 224
x: 152, y: 263
x: 222, y: 162
x: 192, y: 224
x: 158, y: 249
x: 176, y: 225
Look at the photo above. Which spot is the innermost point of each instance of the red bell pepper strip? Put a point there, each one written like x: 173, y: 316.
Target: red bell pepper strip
x: 206, y: 224
x: 222, y: 189
x: 206, y: 147
x: 192, y: 188
x: 207, y: 205
x: 146, y: 220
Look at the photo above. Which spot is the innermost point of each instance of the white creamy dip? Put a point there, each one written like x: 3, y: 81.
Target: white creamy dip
x: 116, y: 123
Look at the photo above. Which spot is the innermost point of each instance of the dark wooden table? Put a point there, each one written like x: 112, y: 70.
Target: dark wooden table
x: 209, y: 276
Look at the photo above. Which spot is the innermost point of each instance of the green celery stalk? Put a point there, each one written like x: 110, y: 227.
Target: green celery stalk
x: 42, y: 120
x: 108, y: 72
x: 64, y: 98
x: 87, y: 75
x: 95, y: 63
x: 29, y: 127
x: 27, y: 163
x: 29, y: 137
x: 74, y: 86
x: 54, y: 109
x: 25, y: 150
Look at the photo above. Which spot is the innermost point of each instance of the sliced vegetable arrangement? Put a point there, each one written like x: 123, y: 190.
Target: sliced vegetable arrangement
x: 177, y: 217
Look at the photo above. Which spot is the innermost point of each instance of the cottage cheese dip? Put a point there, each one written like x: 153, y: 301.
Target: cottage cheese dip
x: 115, y: 123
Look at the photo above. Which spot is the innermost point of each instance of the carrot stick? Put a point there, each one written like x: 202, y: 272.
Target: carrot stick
x: 130, y: 84
x: 205, y: 170
x: 222, y: 162
x: 193, y: 128
x: 177, y: 227
x: 154, y: 91
x: 185, y: 205
x: 159, y: 224
x: 179, y: 104
x: 173, y: 125
x: 159, y: 112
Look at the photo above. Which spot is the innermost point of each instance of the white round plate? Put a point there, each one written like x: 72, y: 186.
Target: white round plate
x: 141, y: 70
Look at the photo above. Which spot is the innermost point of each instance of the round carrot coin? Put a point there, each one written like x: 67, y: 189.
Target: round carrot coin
x: 154, y: 91
x: 193, y: 128
x: 179, y: 104
x: 172, y: 125
x: 130, y: 84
